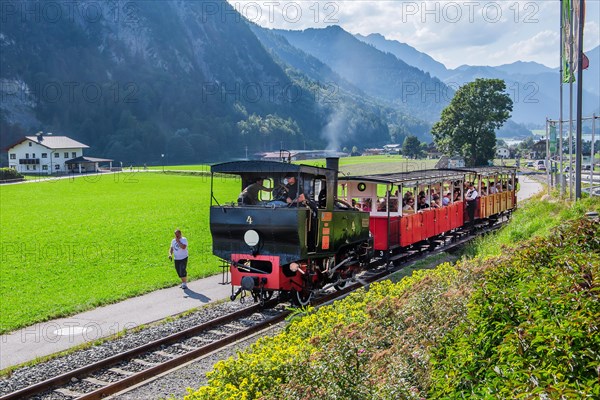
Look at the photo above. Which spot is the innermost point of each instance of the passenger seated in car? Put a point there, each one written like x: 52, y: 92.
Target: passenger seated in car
x: 422, y: 204
x: 407, y: 196
x: 446, y: 199
x: 367, y: 205
x: 409, y: 207
x: 457, y: 194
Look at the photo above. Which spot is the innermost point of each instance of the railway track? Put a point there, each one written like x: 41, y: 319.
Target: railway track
x: 122, y: 371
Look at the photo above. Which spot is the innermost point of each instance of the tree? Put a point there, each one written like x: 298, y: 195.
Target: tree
x: 411, y: 147
x: 467, y: 125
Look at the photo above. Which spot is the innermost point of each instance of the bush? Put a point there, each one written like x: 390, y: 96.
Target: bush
x: 533, y: 330
x: 9, y: 174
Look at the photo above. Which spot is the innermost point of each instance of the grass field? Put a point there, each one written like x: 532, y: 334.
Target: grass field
x: 197, y: 167
x: 364, y: 165
x: 72, y: 244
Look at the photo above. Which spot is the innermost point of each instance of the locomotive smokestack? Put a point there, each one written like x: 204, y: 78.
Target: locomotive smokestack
x: 334, y: 164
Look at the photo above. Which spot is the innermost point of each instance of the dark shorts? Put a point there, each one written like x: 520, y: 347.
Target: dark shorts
x: 181, y: 267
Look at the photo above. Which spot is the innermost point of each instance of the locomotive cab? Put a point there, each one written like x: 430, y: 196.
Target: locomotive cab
x: 275, y: 242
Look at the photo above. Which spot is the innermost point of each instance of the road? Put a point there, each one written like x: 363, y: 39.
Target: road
x: 529, y: 187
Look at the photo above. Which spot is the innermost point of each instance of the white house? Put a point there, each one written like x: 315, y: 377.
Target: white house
x: 48, y: 154
x: 392, y: 148
x: 502, y: 152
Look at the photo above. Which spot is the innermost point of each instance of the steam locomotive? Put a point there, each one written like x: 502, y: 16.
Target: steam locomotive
x: 338, y: 224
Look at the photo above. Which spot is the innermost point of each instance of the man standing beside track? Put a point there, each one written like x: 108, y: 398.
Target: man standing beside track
x: 179, y: 252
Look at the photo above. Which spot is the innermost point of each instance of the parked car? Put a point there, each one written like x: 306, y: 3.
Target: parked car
x: 529, y: 164
x: 540, y: 165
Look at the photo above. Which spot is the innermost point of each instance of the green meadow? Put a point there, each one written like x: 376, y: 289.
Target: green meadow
x: 363, y: 165
x: 73, y: 244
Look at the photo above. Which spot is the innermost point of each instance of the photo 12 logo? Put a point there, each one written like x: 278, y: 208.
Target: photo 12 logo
x: 288, y: 12
x: 469, y: 11
x: 54, y: 12
x: 69, y: 92
x: 268, y: 91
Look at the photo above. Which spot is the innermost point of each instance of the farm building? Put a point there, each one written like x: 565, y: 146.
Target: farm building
x: 48, y: 154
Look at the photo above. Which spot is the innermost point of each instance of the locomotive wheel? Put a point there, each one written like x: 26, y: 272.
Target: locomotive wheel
x: 266, y: 295
x: 302, y: 298
x: 344, y: 284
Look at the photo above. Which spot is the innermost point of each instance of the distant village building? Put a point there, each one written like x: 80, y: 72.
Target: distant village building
x: 373, y: 152
x: 48, y: 154
x: 432, y: 151
x: 392, y: 148
x: 502, y: 152
x: 456, y: 162
x: 538, y: 150
x: 450, y: 162
x: 298, y: 155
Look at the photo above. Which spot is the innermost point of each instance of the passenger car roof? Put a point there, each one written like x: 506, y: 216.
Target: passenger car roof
x: 428, y: 175
x: 268, y: 167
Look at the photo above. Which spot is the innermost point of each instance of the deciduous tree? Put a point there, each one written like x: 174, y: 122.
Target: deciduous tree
x: 411, y: 147
x: 467, y: 125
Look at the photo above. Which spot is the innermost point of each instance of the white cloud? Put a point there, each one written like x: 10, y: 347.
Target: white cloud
x: 591, y: 36
x: 477, y: 32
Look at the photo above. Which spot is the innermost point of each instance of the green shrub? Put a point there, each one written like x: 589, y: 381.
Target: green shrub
x: 9, y: 174
x: 533, y: 329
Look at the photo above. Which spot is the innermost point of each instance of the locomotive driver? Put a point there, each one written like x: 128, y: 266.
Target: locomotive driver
x: 179, y: 251
x: 294, y: 193
x: 291, y: 193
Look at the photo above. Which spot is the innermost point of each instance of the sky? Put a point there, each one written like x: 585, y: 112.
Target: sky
x: 477, y: 32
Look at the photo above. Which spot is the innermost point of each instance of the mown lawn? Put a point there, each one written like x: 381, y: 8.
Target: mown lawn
x: 363, y: 165
x: 73, y: 244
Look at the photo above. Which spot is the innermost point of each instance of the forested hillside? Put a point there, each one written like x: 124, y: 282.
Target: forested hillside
x: 147, y: 78
x: 139, y: 79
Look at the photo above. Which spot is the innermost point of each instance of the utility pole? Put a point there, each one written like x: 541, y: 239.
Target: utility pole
x: 578, y: 139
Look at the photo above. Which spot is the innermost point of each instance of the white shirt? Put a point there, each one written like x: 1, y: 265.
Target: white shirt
x: 178, y: 252
x: 471, y: 194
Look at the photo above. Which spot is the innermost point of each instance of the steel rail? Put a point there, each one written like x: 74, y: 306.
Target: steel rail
x: 115, y: 359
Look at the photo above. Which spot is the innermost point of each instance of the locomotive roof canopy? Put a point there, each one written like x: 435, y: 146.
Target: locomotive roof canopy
x: 269, y: 168
x: 421, y: 176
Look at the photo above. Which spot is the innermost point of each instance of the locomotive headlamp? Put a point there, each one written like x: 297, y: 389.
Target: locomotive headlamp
x: 251, y: 237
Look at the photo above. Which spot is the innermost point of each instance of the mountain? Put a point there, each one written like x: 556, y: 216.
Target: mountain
x: 535, y: 95
x: 533, y: 87
x: 379, y: 74
x: 164, y: 77
x: 524, y: 67
x: 406, y: 53
x: 343, y: 101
